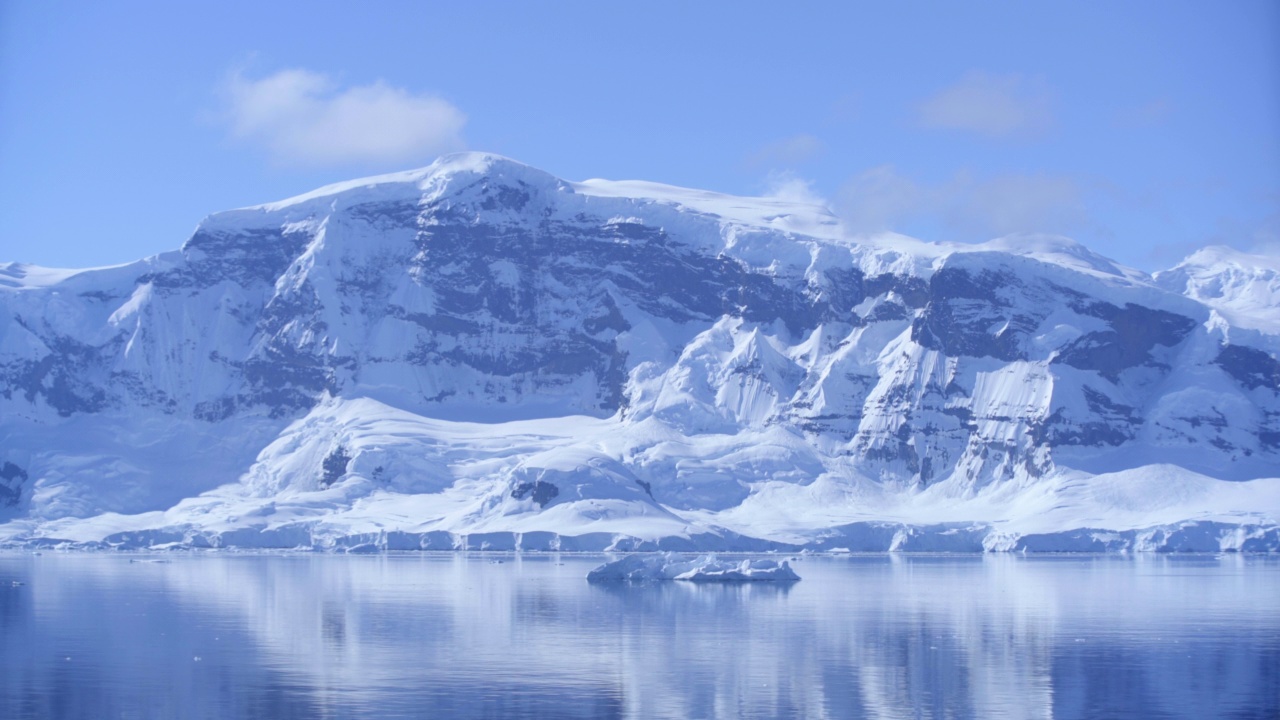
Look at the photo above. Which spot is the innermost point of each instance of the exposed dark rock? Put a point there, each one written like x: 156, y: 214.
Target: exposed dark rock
x: 913, y: 291
x: 335, y: 466
x: 968, y: 315
x: 540, y: 492
x: 1108, y: 424
x: 64, y: 378
x: 215, y: 410
x: 12, y: 480
x: 1250, y: 367
x: 1135, y: 331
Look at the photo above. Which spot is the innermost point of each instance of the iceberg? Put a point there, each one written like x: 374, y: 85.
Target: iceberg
x: 706, y: 568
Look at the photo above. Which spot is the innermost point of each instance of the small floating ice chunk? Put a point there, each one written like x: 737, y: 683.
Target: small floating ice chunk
x: 747, y: 570
x: 654, y: 568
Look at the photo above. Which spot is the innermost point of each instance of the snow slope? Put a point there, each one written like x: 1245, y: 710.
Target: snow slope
x: 1243, y: 288
x: 477, y: 354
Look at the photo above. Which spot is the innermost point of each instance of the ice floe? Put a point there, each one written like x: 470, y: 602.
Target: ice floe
x: 705, y: 568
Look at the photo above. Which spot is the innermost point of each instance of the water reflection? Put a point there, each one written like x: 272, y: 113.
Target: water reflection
x: 285, y: 636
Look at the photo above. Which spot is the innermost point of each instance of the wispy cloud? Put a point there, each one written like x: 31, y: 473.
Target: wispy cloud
x: 786, y: 153
x: 1016, y: 203
x: 305, y: 118
x: 992, y: 105
x: 1257, y: 232
x: 787, y: 185
x: 882, y: 199
x: 1266, y: 237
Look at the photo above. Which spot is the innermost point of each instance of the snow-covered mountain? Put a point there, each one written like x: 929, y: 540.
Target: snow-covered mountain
x: 478, y: 354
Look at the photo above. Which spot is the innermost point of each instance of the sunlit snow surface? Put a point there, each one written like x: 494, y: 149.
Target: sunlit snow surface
x: 480, y: 355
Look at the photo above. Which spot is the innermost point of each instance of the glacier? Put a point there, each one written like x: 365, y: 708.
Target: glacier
x: 479, y: 355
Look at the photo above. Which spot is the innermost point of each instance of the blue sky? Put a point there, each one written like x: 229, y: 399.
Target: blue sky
x: 1143, y: 129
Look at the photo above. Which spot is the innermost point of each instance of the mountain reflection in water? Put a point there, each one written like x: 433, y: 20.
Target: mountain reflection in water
x: 452, y: 635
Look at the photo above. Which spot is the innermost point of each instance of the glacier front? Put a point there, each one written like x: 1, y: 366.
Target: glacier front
x: 480, y: 355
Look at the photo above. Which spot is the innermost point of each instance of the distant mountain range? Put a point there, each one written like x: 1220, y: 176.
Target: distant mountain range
x: 478, y: 354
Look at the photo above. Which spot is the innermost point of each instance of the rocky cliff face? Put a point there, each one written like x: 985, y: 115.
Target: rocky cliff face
x: 521, y: 353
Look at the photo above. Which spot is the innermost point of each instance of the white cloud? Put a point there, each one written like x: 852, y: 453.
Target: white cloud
x: 305, y: 118
x: 786, y: 153
x: 786, y: 185
x: 994, y: 105
x: 882, y: 199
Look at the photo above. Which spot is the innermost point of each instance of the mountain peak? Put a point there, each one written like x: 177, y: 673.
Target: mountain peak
x: 1242, y: 286
x: 487, y: 183
x: 446, y: 170
x: 1222, y: 255
x: 478, y: 162
x: 1060, y: 250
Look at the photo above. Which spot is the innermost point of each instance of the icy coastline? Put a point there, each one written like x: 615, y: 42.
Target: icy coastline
x: 859, y: 537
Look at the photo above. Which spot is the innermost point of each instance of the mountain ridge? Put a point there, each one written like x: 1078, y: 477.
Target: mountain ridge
x: 333, y: 352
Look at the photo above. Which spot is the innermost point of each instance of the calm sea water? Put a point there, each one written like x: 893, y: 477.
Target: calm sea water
x: 400, y: 636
